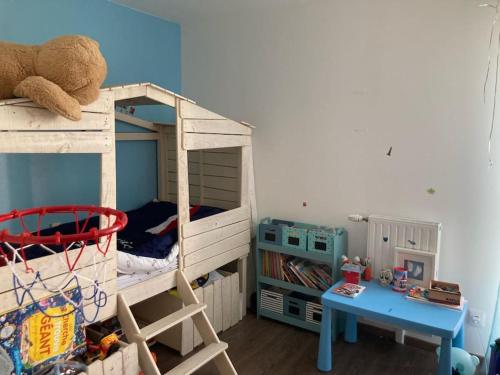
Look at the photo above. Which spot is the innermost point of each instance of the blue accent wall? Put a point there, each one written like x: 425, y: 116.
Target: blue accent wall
x: 138, y: 48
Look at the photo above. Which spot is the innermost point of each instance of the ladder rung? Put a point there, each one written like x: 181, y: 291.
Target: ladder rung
x: 196, y: 361
x: 160, y: 326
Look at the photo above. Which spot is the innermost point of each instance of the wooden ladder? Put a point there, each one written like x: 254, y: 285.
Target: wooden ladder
x: 214, y: 349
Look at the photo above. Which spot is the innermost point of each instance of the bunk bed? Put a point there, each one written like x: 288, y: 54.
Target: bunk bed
x: 203, y: 159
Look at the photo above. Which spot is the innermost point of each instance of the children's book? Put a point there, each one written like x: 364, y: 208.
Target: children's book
x: 349, y: 290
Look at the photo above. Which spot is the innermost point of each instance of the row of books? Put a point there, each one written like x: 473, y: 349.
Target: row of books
x: 296, y: 270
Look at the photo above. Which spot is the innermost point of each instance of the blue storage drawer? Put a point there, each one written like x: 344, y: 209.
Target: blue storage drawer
x: 321, y: 240
x: 296, y: 236
x: 270, y: 230
x: 294, y: 306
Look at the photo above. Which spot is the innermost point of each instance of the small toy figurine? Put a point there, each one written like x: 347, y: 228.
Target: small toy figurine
x: 385, y: 277
x: 367, y: 275
x: 400, y: 279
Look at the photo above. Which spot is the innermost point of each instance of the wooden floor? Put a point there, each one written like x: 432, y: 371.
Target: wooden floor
x: 267, y: 347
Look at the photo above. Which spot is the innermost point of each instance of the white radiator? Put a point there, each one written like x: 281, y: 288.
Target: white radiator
x: 385, y: 233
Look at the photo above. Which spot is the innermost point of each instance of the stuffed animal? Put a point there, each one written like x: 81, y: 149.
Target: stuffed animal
x: 60, y: 75
x: 462, y: 362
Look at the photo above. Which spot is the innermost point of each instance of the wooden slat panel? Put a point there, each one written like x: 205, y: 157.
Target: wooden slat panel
x: 214, y: 182
x: 113, y: 365
x: 219, y: 194
x: 208, y: 299
x: 54, y: 265
x: 193, y: 111
x: 137, y: 136
x: 227, y: 244
x: 56, y: 142
x: 149, y: 288
x: 202, y: 268
x: 196, y: 141
x: 216, y: 221
x: 208, y: 169
x: 196, y: 335
x: 130, y: 360
x: 225, y: 205
x: 200, y: 241
x: 215, y: 126
x: 95, y: 368
x: 8, y: 299
x: 161, y: 96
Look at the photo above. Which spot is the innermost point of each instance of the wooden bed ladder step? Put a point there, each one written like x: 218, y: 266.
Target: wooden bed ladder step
x: 214, y: 349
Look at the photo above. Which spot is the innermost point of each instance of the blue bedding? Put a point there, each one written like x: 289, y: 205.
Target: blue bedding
x: 134, y: 239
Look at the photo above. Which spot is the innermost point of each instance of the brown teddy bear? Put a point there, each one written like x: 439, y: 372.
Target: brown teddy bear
x: 60, y: 75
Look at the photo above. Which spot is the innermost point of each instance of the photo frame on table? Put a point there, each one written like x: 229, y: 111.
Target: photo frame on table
x: 421, y: 265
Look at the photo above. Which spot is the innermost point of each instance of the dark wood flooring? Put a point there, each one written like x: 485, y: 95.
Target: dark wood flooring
x: 263, y: 346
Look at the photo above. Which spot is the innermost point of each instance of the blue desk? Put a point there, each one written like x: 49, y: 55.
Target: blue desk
x: 385, y: 305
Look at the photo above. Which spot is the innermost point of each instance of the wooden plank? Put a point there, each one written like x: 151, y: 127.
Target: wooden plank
x: 226, y: 303
x: 130, y: 359
x: 242, y: 272
x: 162, y: 166
x: 197, y: 141
x: 193, y: 111
x: 56, y: 142
x: 104, y: 104
x: 208, y: 299
x: 216, y: 221
x: 217, y: 323
x: 170, y: 320
x: 199, y: 359
x: 137, y: 137
x: 215, y: 236
x: 223, y: 246
x: 39, y: 119
x: 196, y: 335
x: 213, y: 182
x: 136, y: 121
x: 235, y: 299
x: 216, y: 126
x: 161, y: 95
x: 95, y: 368
x: 225, y: 205
x: 113, y: 365
x: 149, y: 288
x: 245, y: 168
x: 208, y: 169
x: 215, y: 262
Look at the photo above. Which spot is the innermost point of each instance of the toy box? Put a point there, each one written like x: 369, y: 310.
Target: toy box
x: 443, y: 292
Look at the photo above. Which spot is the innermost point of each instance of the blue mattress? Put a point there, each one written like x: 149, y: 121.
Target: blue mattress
x: 134, y: 239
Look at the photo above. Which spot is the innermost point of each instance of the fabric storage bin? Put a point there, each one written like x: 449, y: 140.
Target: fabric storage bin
x: 321, y: 240
x: 270, y: 230
x: 296, y: 235
x: 272, y: 300
x: 295, y: 306
x: 314, y: 312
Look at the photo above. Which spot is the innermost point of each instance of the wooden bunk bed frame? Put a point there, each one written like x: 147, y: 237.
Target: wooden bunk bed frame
x: 204, y: 245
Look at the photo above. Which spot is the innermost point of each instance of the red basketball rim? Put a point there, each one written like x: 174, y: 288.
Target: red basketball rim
x: 28, y: 238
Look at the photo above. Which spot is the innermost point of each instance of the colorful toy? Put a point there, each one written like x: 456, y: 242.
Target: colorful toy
x: 462, y: 362
x: 400, y: 279
x: 385, y: 277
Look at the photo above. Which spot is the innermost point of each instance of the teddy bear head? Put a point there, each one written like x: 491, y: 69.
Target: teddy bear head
x: 75, y: 64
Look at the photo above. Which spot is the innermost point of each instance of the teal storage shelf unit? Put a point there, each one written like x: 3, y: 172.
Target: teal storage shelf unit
x: 270, y: 309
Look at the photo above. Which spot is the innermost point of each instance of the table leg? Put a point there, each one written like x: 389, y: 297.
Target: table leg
x: 459, y: 340
x: 351, y: 328
x: 445, y: 357
x: 325, y: 360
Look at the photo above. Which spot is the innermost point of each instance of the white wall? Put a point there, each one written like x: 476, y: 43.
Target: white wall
x: 331, y: 85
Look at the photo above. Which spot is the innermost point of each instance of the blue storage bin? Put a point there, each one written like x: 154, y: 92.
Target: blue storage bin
x: 321, y: 240
x: 294, y: 306
x: 270, y: 230
x: 296, y: 235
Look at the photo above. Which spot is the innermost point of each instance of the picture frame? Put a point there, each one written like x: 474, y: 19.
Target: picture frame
x: 421, y: 265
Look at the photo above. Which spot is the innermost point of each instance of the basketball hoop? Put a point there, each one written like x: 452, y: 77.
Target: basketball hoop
x: 84, y: 233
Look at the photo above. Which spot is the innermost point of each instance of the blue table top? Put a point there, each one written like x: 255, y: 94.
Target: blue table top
x: 385, y: 305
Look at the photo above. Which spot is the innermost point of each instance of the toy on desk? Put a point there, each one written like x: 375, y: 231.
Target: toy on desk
x: 462, y: 362
x: 400, y: 279
x: 108, y: 345
x: 352, y: 270
x: 385, y: 277
x: 367, y: 275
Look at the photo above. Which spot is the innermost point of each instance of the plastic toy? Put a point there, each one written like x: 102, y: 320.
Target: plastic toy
x: 385, y: 277
x: 400, y: 279
x: 462, y: 362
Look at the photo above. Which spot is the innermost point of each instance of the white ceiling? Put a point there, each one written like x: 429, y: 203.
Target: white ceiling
x: 185, y: 10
